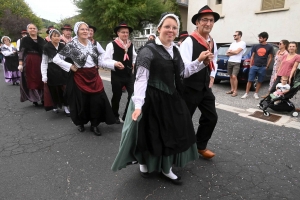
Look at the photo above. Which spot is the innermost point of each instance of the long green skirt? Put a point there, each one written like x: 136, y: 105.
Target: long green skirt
x: 128, y: 151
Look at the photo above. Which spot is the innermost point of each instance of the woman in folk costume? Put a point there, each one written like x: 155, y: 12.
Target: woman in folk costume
x: 158, y: 131
x: 30, y: 58
x: 11, y: 62
x: 85, y: 92
x: 52, y: 74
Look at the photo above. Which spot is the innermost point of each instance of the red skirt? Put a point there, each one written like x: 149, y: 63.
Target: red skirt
x: 88, y: 80
x: 33, y: 71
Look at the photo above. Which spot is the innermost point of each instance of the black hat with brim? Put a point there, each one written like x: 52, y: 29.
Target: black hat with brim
x: 49, y: 28
x: 93, y: 27
x: 66, y: 26
x: 183, y: 34
x: 122, y: 25
x: 205, y: 10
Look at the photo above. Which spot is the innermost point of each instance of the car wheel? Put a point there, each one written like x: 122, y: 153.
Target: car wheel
x: 254, y: 84
x: 217, y: 81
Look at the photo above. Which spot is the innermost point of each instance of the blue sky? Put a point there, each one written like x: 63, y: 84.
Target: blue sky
x: 53, y: 10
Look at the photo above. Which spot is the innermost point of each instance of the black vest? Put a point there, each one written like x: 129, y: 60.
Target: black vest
x: 118, y: 55
x: 201, y: 79
x: 162, y: 71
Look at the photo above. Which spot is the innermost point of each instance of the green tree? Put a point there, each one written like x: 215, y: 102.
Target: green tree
x: 106, y: 14
x: 19, y: 10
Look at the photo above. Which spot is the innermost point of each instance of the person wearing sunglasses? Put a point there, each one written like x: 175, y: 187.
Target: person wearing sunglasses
x: 235, y: 53
x: 283, y: 47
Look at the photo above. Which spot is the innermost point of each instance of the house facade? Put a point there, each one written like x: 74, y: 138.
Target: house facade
x: 277, y: 17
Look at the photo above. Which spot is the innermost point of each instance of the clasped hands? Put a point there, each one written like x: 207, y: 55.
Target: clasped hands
x: 206, y: 57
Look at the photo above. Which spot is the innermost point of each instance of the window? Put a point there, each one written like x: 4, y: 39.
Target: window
x: 218, y: 2
x: 272, y: 4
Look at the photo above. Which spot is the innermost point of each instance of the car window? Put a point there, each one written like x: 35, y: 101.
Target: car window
x: 222, y: 51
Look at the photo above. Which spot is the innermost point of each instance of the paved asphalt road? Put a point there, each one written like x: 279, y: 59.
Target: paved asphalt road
x: 43, y: 156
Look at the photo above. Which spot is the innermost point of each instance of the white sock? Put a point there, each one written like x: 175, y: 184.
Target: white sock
x: 143, y: 168
x: 171, y: 175
x: 66, y: 109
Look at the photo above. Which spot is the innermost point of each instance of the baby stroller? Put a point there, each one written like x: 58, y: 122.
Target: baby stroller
x: 284, y: 105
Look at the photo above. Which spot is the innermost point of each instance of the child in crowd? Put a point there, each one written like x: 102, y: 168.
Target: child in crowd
x: 281, y: 88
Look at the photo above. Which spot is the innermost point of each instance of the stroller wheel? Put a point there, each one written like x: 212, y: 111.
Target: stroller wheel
x: 295, y: 114
x: 260, y: 106
x: 266, y: 113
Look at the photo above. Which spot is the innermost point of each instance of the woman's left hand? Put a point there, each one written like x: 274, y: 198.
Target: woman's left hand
x: 136, y: 114
x: 74, y: 68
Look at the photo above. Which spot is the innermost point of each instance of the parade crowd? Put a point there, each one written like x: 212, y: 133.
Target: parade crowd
x: 165, y: 83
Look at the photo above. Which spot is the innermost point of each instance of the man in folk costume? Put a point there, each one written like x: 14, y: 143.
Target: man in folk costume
x: 92, y: 31
x: 24, y: 34
x: 200, y: 49
x: 47, y: 39
x: 66, y: 36
x: 122, y: 50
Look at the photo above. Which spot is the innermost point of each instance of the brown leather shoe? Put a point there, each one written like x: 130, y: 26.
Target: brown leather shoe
x: 297, y: 109
x: 208, y: 154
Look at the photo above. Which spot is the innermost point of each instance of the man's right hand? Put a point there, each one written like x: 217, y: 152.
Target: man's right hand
x: 119, y: 65
x: 203, y: 55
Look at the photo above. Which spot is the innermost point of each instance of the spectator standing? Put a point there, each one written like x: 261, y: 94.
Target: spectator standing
x: 261, y: 58
x: 288, y: 65
x: 283, y: 47
x: 235, y: 53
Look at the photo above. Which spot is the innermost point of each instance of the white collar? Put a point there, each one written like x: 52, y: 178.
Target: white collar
x: 158, y: 42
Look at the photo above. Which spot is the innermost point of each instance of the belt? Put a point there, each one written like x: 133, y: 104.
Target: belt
x: 260, y: 65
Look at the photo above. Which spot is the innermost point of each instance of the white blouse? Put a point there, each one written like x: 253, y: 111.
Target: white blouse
x: 141, y: 83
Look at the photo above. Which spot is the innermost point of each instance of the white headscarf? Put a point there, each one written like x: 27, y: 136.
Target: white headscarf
x: 52, y: 31
x: 173, y: 16
x: 76, y: 26
x: 5, y: 37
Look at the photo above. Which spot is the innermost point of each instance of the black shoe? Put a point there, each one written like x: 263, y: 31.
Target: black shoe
x: 96, y: 130
x: 118, y: 121
x: 42, y: 102
x: 80, y: 128
x: 35, y: 104
x: 17, y: 83
x: 145, y: 174
x: 14, y: 83
x: 67, y: 114
x: 174, y: 181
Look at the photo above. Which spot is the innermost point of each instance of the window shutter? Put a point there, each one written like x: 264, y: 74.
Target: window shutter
x: 267, y: 4
x: 278, y: 4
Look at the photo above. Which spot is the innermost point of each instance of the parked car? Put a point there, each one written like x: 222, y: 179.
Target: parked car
x: 244, y: 68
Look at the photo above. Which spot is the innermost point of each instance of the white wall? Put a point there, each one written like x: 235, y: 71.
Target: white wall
x: 240, y: 15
